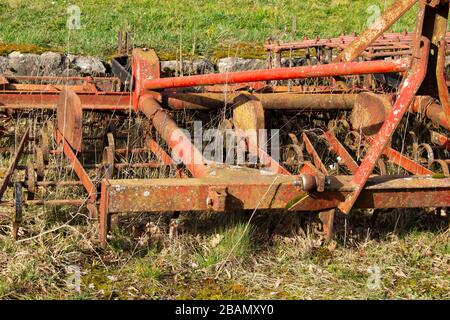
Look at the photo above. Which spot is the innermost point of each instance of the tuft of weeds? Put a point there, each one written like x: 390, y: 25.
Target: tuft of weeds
x: 233, y: 242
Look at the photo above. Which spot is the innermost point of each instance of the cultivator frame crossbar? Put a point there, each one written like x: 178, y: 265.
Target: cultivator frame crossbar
x: 415, y: 60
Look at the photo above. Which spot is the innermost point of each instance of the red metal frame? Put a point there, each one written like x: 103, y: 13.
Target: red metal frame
x: 218, y: 187
x: 407, y: 94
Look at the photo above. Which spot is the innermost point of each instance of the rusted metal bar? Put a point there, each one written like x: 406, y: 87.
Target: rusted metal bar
x: 41, y: 79
x: 406, y: 163
x: 432, y: 110
x: 340, y: 150
x: 176, y: 101
x: 265, y: 159
x: 57, y: 202
x: 159, y: 152
x: 173, y: 136
x: 13, y: 164
x: 17, y: 220
x: 440, y: 139
x: 311, y: 151
x: 441, y: 82
x: 327, y: 219
x: 407, y: 93
x: 330, y: 70
x: 401, y: 40
x: 69, y: 114
x: 130, y: 195
x: 270, y: 101
x: 105, y: 218
x: 46, y: 184
x: 152, y: 164
x: 389, y: 17
x: 47, y: 100
x: 77, y: 168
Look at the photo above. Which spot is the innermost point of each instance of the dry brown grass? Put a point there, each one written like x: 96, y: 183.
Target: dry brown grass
x: 410, y: 248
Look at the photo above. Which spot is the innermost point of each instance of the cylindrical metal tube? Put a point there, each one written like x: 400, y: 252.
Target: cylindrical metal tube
x: 270, y: 101
x: 432, y: 111
x: 174, y: 137
x: 327, y: 70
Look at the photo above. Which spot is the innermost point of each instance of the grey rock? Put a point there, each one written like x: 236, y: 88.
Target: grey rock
x: 294, y: 62
x: 71, y: 57
x: 52, y: 61
x: 202, y: 66
x: 88, y: 65
x: 14, y: 54
x: 24, y: 63
x: 51, y: 64
x: 239, y: 64
x: 169, y: 67
x: 4, y: 64
x: 198, y: 66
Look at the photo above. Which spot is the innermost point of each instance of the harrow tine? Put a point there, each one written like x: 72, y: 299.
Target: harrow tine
x: 340, y: 150
x: 313, y: 153
x: 13, y: 164
x: 80, y: 172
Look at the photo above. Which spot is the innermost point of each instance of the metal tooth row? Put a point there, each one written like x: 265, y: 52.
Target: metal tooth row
x: 422, y: 158
x: 324, y: 50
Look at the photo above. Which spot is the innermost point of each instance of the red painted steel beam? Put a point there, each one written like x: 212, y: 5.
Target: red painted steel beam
x: 265, y: 159
x: 313, y: 153
x: 330, y: 70
x: 159, y: 152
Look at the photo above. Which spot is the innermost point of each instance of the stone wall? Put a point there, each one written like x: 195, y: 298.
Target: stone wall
x: 51, y: 64
x: 59, y: 64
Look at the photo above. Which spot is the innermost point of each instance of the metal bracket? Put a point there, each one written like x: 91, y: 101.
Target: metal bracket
x: 217, y: 197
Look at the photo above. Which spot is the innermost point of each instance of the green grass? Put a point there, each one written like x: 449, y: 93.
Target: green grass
x: 194, y: 26
x: 232, y: 242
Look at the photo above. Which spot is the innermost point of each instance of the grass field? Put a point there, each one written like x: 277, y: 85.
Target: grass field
x: 201, y: 27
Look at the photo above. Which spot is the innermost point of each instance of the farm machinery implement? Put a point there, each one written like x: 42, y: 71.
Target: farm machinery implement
x: 358, y: 122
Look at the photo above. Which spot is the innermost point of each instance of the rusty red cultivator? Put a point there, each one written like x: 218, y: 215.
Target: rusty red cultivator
x: 340, y: 118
